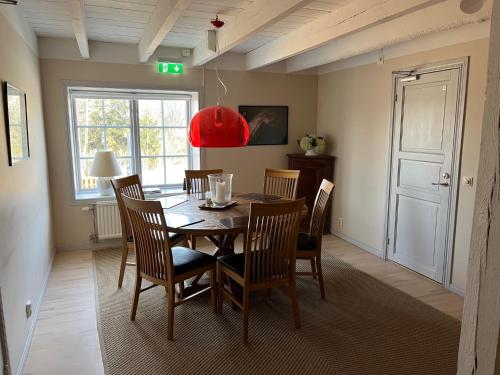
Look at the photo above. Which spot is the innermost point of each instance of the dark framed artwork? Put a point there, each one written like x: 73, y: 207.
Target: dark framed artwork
x: 16, y: 123
x: 268, y: 124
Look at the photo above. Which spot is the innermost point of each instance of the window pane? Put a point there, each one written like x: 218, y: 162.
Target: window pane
x: 118, y: 140
x: 153, y: 171
x: 151, y: 142
x: 86, y: 181
x: 175, y: 169
x: 125, y: 166
x: 88, y: 112
x: 90, y: 140
x: 116, y: 112
x: 175, y: 112
x: 176, y: 141
x: 150, y: 113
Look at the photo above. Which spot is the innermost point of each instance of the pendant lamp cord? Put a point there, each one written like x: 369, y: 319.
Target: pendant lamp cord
x: 219, y: 79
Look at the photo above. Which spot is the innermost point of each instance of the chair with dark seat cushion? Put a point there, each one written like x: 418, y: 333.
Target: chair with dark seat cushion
x: 131, y: 187
x: 306, y: 242
x: 186, y: 259
x: 268, y: 258
x: 235, y: 262
x: 309, y: 244
x: 161, y: 264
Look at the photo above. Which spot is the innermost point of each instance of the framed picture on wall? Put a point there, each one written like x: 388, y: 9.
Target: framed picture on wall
x: 268, y: 124
x: 16, y: 123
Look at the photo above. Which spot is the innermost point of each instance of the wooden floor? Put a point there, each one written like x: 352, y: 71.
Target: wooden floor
x: 66, y: 339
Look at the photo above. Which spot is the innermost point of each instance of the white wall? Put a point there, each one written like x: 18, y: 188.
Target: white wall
x: 25, y: 219
x: 71, y: 225
x: 354, y: 114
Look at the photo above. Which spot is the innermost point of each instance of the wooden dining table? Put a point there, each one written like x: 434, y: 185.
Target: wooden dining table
x: 184, y: 215
x: 221, y: 226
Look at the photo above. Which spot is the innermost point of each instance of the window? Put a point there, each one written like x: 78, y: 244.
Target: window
x: 146, y: 130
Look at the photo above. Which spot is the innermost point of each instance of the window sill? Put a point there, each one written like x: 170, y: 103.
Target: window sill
x: 93, y: 198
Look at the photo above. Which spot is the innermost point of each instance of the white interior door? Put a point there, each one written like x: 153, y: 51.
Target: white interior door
x: 422, y: 160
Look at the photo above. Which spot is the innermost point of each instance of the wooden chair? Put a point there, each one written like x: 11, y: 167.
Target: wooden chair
x: 309, y: 244
x: 131, y: 187
x: 196, y: 182
x: 281, y: 182
x: 161, y: 264
x: 268, y: 259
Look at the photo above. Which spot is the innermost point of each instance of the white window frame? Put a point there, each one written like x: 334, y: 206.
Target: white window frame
x: 74, y: 92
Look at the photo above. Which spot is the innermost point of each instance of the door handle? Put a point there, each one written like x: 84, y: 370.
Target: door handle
x: 441, y: 183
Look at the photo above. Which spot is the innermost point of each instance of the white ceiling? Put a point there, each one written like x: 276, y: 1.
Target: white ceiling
x: 302, y: 33
x: 107, y: 20
x: 124, y: 21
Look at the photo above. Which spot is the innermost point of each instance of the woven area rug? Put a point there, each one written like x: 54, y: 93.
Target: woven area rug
x: 364, y: 327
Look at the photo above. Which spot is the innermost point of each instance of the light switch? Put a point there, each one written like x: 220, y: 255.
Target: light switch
x: 468, y: 181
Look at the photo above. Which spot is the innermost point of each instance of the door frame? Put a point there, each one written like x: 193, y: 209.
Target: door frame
x: 462, y: 64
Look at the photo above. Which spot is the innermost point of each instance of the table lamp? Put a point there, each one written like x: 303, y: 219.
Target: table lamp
x: 104, y: 167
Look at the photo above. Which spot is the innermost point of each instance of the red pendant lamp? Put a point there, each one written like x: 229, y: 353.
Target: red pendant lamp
x: 218, y: 126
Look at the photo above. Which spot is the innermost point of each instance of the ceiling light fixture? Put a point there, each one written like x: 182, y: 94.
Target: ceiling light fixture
x: 218, y: 126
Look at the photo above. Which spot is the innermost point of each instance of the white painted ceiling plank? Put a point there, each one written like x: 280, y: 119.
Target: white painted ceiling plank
x: 352, y: 17
x: 79, y: 28
x: 162, y: 21
x: 259, y: 15
x: 439, y: 17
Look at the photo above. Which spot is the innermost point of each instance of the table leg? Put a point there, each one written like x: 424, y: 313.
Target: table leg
x: 225, y: 245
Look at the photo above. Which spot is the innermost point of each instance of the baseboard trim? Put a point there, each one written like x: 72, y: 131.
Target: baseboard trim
x: 359, y: 244
x: 34, y: 318
x: 457, y: 290
x: 108, y: 244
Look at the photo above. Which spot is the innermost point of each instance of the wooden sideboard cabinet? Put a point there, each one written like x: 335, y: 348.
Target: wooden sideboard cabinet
x: 313, y: 169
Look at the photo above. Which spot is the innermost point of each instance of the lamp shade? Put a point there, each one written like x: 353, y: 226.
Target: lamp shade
x: 105, y: 165
x: 218, y: 126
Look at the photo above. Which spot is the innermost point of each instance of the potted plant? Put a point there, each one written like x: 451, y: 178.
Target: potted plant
x: 312, y: 145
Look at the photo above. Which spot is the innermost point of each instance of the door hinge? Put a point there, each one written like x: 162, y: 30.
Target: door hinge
x: 395, y: 97
x: 388, y: 241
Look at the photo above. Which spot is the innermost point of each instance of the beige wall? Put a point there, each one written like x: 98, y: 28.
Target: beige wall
x: 354, y: 114
x: 71, y: 225
x: 25, y: 221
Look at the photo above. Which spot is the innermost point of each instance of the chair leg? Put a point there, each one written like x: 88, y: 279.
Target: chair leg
x: 135, y: 301
x: 220, y: 288
x: 123, y: 264
x: 213, y: 291
x: 295, y: 305
x: 320, y: 277
x: 171, y: 303
x: 246, y: 306
x: 181, y: 289
x: 313, y: 268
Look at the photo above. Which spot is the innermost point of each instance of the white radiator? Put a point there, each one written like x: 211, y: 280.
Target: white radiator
x: 107, y: 221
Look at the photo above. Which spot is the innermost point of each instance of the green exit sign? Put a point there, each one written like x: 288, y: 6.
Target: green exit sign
x: 170, y: 68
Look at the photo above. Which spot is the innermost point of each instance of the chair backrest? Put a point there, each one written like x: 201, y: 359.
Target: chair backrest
x: 320, y: 210
x: 271, y: 241
x: 197, y: 180
x: 281, y: 182
x: 152, y: 244
x: 129, y: 186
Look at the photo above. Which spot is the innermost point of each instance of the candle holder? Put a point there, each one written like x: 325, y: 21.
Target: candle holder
x: 221, y: 188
